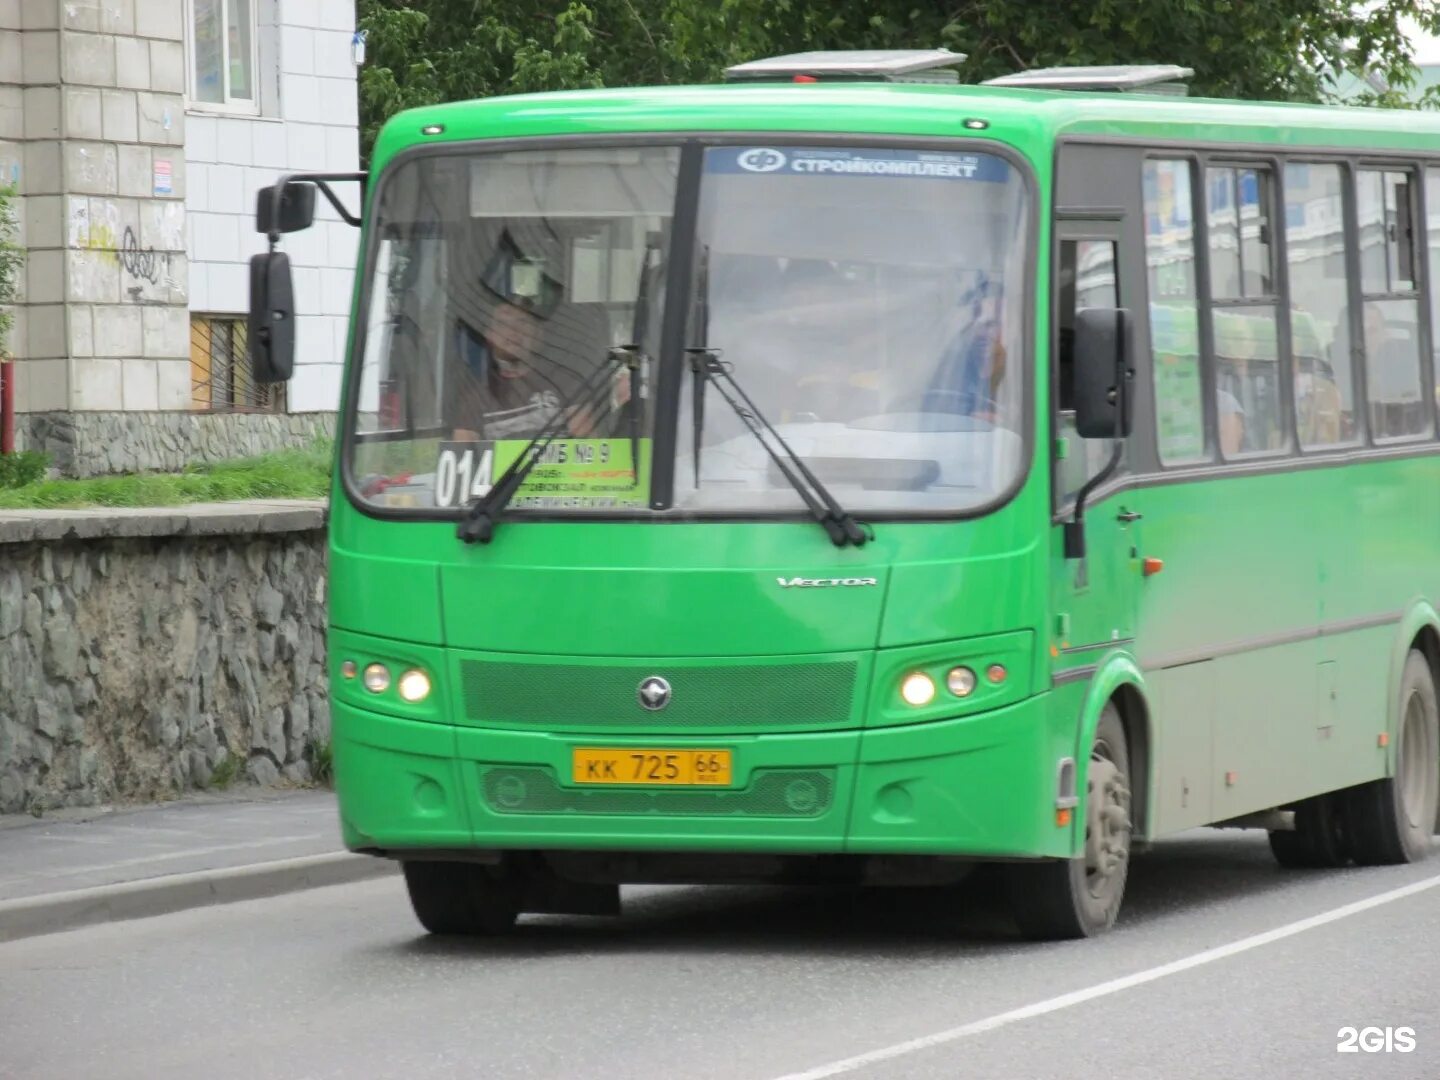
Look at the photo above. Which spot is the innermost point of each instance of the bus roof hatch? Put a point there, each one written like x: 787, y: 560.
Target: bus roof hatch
x: 853, y: 65
x: 1149, y: 78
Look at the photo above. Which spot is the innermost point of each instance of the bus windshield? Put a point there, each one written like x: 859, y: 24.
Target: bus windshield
x: 870, y: 302
x: 498, y: 285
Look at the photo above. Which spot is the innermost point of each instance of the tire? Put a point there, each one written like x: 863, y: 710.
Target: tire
x: 1393, y: 820
x: 1078, y: 898
x: 459, y: 898
x: 1320, y: 839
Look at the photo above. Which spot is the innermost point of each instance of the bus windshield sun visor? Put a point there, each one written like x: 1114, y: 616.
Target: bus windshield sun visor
x: 837, y: 522
x: 483, y: 516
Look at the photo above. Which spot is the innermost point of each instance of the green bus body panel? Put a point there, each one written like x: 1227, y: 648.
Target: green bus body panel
x: 1261, y: 665
x: 1273, y: 639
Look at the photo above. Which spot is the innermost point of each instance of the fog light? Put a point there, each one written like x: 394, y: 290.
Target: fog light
x: 511, y: 792
x: 917, y: 689
x: 414, y: 686
x: 996, y: 673
x: 802, y: 796
x: 961, y: 681
x: 349, y: 669
x: 377, y: 678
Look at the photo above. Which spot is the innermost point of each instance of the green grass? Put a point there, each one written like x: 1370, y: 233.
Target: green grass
x: 322, y: 762
x: 285, y: 474
x: 227, y: 771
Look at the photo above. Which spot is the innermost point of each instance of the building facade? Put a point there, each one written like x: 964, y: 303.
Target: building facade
x: 136, y: 134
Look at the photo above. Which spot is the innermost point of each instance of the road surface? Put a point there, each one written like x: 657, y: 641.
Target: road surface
x: 1223, y: 966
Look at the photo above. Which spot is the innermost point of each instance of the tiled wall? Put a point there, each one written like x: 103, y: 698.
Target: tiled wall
x: 310, y: 124
x: 102, y: 110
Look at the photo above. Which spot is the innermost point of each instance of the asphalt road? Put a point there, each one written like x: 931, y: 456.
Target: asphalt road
x: 1223, y: 966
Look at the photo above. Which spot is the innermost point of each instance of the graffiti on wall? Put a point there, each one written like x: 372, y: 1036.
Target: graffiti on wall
x: 150, y: 275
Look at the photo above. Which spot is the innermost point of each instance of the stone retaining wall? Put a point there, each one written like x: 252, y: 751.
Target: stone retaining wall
x: 140, y: 650
x: 103, y: 443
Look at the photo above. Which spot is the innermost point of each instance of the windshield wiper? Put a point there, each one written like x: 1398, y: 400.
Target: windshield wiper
x: 699, y: 359
x: 639, y: 331
x: 837, y: 522
x: 705, y: 364
x: 483, y: 516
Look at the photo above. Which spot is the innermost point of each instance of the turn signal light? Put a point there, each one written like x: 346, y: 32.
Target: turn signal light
x: 1151, y: 567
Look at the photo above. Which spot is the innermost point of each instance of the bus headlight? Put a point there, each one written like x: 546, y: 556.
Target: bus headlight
x: 917, y: 689
x: 961, y: 681
x: 414, y: 686
x: 377, y: 678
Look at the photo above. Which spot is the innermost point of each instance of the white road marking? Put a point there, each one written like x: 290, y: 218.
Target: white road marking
x: 1112, y: 986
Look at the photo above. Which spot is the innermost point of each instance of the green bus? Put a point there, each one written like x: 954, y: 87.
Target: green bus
x: 841, y: 474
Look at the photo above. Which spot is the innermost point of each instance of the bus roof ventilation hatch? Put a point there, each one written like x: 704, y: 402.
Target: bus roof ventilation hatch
x: 1143, y: 78
x: 852, y: 65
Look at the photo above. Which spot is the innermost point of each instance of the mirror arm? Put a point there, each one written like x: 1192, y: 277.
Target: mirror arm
x: 320, y: 180
x: 1074, y: 529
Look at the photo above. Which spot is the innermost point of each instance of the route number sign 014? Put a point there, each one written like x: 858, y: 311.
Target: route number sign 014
x: 571, y: 474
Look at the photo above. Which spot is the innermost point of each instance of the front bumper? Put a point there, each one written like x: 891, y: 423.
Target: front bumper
x: 980, y: 785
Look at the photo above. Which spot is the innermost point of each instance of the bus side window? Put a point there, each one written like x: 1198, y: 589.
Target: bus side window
x: 1087, y: 280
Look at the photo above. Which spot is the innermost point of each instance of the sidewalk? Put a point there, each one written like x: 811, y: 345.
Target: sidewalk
x: 74, y: 868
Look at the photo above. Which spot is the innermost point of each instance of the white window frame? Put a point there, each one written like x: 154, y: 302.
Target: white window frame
x: 230, y: 106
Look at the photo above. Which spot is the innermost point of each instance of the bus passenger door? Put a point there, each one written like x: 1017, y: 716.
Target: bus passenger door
x: 1093, y: 596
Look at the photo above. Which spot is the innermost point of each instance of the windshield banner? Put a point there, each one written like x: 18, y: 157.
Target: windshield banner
x: 822, y: 161
x: 590, y: 474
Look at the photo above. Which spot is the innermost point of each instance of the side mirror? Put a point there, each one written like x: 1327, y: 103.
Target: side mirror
x: 1102, y: 373
x: 296, y: 209
x: 272, y: 318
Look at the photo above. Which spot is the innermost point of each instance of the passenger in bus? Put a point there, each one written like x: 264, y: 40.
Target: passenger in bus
x: 1392, y: 359
x: 1232, y: 423
x: 515, y: 373
x: 971, y: 374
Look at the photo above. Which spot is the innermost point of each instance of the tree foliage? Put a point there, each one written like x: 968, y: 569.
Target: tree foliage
x: 424, y: 51
x: 11, y: 264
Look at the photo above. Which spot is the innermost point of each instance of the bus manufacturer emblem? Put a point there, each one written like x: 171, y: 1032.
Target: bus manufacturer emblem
x: 824, y: 582
x: 654, y: 693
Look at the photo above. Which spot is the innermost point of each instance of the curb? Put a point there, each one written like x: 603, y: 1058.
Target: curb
x: 52, y: 913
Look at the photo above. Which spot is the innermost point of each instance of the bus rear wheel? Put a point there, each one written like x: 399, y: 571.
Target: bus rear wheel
x: 1076, y: 898
x: 1393, y: 820
x: 459, y: 898
x: 1319, y: 840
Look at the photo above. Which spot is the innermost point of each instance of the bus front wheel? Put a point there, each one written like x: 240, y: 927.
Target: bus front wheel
x: 459, y: 898
x: 1076, y: 898
x: 1392, y: 820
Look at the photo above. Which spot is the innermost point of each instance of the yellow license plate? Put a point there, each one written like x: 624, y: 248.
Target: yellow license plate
x: 637, y: 765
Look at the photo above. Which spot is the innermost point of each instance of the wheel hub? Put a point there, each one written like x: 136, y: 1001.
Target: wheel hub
x: 1107, y: 825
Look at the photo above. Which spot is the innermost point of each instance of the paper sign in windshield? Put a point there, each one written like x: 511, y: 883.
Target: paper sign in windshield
x: 573, y: 474
x: 823, y: 161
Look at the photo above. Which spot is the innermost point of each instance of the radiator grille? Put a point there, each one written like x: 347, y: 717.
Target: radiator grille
x: 776, y: 793
x: 735, y: 697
